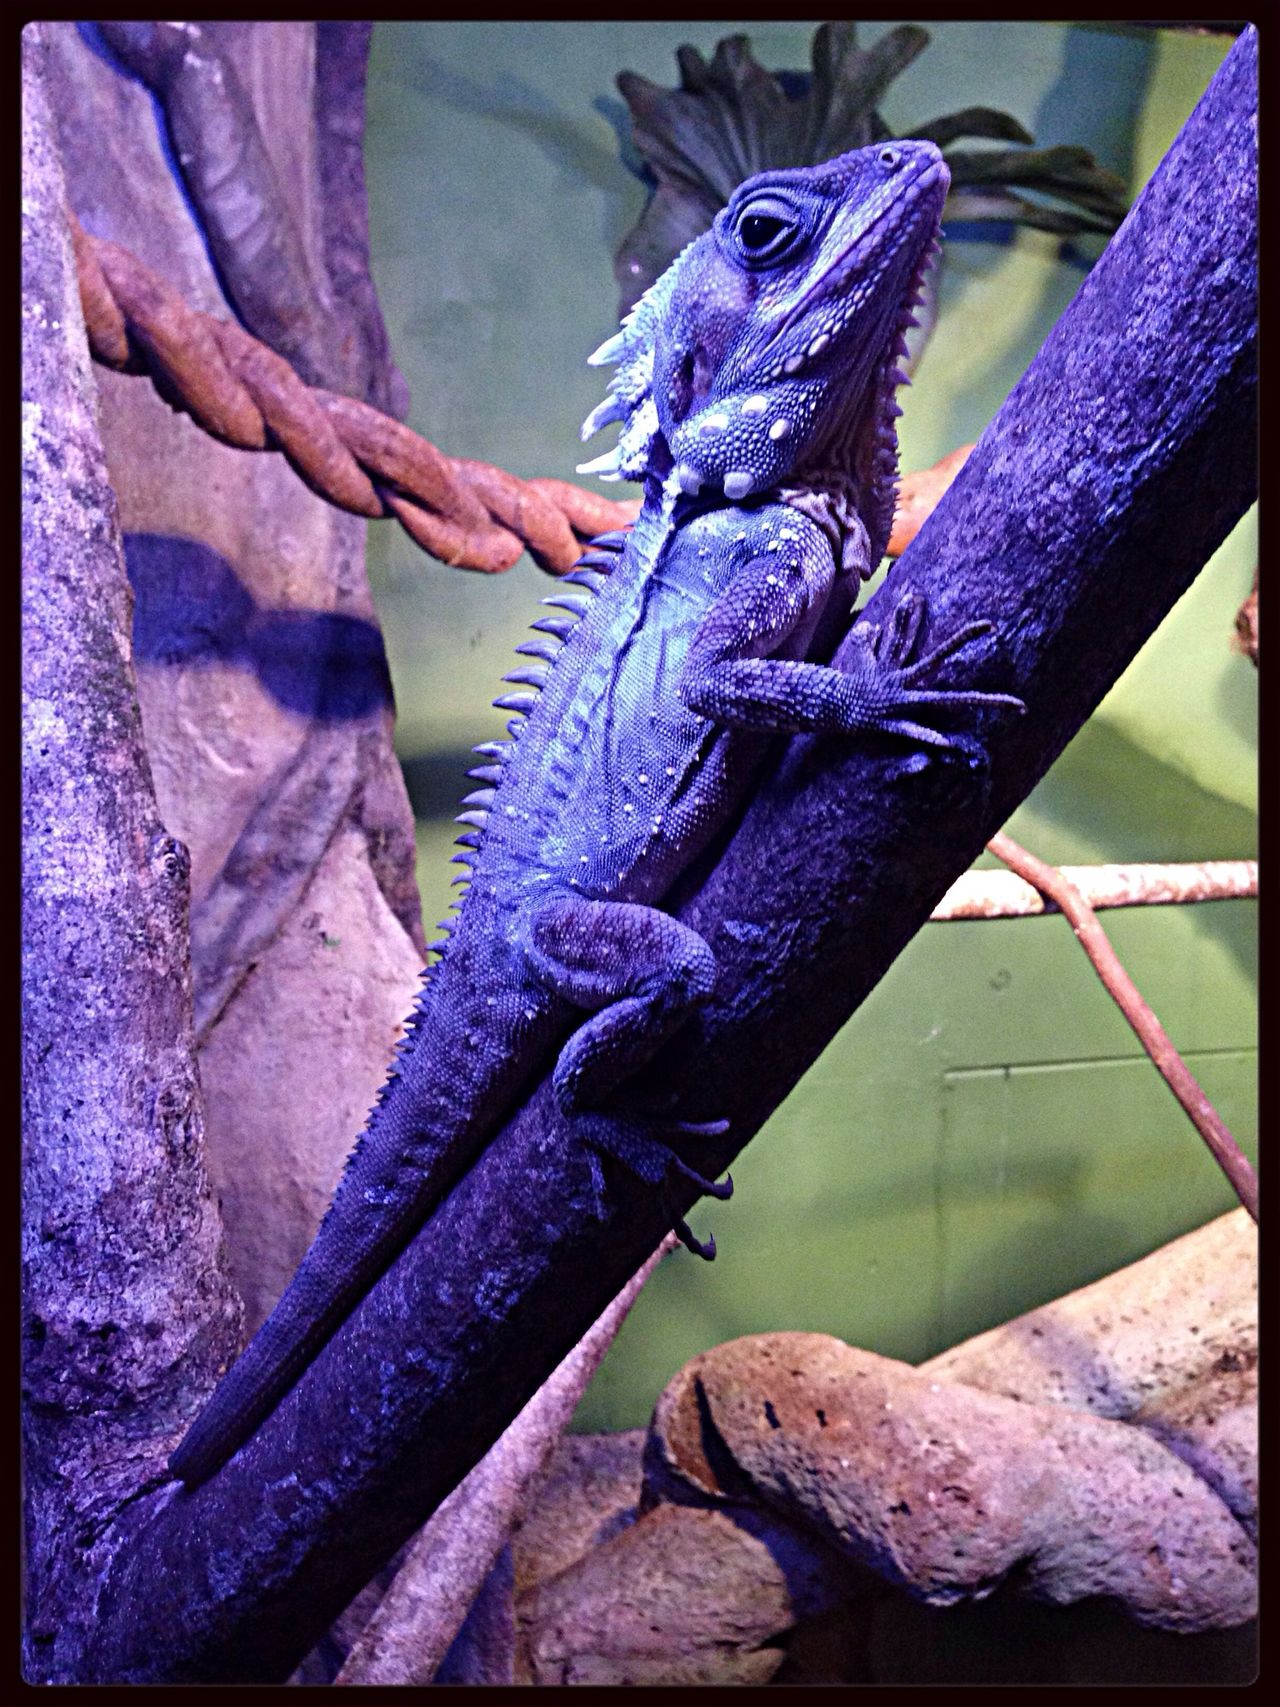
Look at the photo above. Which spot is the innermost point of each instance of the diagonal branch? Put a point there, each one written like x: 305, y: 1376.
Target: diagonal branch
x: 1128, y: 998
x: 1109, y: 477
x: 423, y: 1610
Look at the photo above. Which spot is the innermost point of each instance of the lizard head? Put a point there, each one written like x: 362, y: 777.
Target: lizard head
x: 767, y: 353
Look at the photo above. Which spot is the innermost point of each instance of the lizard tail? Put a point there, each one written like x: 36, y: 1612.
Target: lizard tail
x: 420, y: 1138
x: 305, y: 1318
x: 399, y: 1170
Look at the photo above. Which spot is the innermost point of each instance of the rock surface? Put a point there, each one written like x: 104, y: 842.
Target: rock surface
x: 1099, y: 1452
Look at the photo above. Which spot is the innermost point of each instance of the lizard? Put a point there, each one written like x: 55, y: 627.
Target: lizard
x: 754, y: 385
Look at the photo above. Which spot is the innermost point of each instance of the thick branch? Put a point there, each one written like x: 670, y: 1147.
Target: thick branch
x: 1110, y: 475
x: 127, y: 1302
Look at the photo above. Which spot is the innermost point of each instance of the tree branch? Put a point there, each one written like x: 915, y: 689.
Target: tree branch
x: 1113, y: 471
x: 423, y: 1610
x: 1128, y: 998
x: 127, y: 1304
x: 1004, y: 895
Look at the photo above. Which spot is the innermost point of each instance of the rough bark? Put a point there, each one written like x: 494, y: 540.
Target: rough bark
x: 267, y: 785
x: 1113, y: 471
x: 127, y: 1302
x: 266, y: 703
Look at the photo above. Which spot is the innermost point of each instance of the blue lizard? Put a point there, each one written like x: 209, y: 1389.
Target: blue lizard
x: 754, y: 384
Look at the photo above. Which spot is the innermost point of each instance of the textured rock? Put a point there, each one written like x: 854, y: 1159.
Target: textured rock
x: 1109, y: 1465
x: 946, y: 1490
x: 309, y: 1034
x: 589, y: 1493
x: 1131, y: 1337
x: 689, y: 1597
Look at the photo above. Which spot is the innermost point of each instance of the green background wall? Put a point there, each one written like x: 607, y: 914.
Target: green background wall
x: 985, y: 1132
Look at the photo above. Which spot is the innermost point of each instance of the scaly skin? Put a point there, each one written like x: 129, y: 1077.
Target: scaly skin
x: 755, y: 386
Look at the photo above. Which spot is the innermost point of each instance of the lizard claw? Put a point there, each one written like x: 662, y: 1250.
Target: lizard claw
x: 887, y: 691
x: 707, y: 1252
x: 695, y: 1128
x: 633, y: 1141
x: 710, y: 1188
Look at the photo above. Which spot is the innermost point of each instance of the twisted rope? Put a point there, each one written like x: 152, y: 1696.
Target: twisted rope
x: 468, y: 514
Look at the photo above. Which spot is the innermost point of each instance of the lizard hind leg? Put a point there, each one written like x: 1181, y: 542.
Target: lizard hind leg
x: 642, y: 973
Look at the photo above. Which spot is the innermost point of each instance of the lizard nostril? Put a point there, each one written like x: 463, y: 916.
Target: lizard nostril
x: 890, y: 157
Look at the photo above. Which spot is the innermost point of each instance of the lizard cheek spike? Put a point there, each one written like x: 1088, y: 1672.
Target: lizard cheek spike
x: 752, y: 391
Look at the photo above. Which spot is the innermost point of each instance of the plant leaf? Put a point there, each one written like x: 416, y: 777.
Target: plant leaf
x: 853, y: 82
x: 673, y: 218
x: 730, y: 117
x: 1004, y: 205
x: 972, y: 121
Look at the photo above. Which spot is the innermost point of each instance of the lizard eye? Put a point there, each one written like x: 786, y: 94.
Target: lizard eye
x: 765, y: 230
x: 758, y: 231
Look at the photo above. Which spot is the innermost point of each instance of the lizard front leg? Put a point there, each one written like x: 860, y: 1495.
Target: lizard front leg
x: 642, y: 973
x: 731, y: 678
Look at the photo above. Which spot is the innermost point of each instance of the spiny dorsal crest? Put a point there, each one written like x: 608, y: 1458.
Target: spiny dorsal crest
x: 630, y: 394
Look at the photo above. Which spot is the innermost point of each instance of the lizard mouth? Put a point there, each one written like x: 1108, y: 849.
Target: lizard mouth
x: 835, y: 287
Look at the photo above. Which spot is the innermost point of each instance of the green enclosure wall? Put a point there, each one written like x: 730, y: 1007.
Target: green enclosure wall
x: 985, y: 1132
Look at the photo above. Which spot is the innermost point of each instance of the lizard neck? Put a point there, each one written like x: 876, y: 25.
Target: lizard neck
x: 655, y: 523
x: 832, y: 502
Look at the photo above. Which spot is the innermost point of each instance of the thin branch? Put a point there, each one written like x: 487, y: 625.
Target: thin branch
x: 1150, y: 1033
x: 423, y: 1610
x: 1004, y: 895
x: 1247, y: 624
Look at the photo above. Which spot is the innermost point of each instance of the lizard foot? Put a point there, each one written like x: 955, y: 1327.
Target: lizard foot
x: 879, y: 682
x: 883, y: 680
x: 706, y: 1251
x: 632, y: 1141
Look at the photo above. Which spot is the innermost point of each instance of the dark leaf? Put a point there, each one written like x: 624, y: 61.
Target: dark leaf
x: 671, y: 220
x: 971, y: 121
x: 1059, y: 168
x: 731, y: 117
x: 679, y: 137
x: 858, y: 80
x: 998, y: 205
x: 1069, y: 173
x: 752, y: 107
